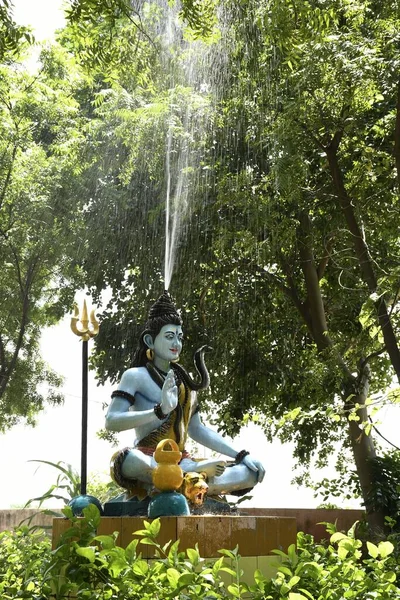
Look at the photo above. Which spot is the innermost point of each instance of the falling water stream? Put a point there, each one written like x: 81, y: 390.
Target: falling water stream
x: 186, y: 129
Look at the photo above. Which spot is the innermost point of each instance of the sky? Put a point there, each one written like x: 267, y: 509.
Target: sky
x: 57, y: 434
x: 45, y: 16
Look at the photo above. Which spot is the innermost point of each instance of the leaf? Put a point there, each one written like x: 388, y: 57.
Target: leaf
x: 117, y: 565
x: 193, y: 556
x: 186, y: 579
x: 173, y: 577
x: 155, y: 527
x: 228, y: 570
x: 92, y: 515
x: 297, y: 596
x: 67, y: 512
x: 234, y: 590
x: 307, y: 593
x: 294, y: 559
x: 293, y: 581
x: 228, y: 553
x: 285, y: 570
x: 107, y: 541
x: 130, y: 550
x: 385, y: 548
x: 259, y: 578
x: 86, y: 552
x: 372, y: 550
x: 148, y: 541
x: 342, y: 552
x: 140, y: 567
x: 337, y: 537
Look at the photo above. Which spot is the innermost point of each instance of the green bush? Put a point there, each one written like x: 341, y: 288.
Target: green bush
x: 91, y: 567
x: 24, y: 555
x: 342, y: 569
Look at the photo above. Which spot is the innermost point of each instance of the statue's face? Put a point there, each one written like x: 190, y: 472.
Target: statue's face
x: 168, y: 343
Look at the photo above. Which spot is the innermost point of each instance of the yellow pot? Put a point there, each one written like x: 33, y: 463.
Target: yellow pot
x: 167, y: 476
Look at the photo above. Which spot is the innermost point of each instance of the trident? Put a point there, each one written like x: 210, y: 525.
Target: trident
x: 85, y: 332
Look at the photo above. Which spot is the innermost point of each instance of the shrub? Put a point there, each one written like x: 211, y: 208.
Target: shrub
x: 91, y: 567
x: 23, y: 557
x: 341, y: 569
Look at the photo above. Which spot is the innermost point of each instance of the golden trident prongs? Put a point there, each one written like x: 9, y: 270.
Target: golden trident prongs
x: 85, y: 331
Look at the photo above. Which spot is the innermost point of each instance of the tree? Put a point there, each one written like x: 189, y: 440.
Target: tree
x: 97, y: 26
x: 303, y: 202
x: 12, y: 36
x: 46, y: 182
x: 39, y: 226
x: 292, y: 272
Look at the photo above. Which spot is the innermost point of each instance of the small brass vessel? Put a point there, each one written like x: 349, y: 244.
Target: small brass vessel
x: 167, y: 476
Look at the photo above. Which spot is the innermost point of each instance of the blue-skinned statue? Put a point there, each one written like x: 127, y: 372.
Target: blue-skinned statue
x: 158, y: 399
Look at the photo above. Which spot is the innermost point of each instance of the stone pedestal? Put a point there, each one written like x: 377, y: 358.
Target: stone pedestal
x: 255, y: 535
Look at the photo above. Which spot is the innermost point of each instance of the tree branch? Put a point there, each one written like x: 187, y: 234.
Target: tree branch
x: 310, y: 134
x: 364, y: 258
x: 8, y: 176
x: 317, y: 309
x: 25, y: 288
x: 397, y: 136
x: 325, y: 259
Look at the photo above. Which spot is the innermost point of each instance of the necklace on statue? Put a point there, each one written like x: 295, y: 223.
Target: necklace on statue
x: 158, y: 375
x: 162, y: 374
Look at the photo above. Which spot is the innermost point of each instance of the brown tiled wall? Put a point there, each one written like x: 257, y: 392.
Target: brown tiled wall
x: 255, y: 535
x: 309, y: 520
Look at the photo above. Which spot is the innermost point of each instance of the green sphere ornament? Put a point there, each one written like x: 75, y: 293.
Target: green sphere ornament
x: 80, y: 502
x: 168, y: 504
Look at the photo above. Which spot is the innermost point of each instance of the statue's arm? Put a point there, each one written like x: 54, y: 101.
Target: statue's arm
x: 214, y: 441
x: 209, y: 438
x: 119, y: 416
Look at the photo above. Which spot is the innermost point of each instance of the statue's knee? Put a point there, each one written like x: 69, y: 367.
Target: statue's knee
x: 135, y: 464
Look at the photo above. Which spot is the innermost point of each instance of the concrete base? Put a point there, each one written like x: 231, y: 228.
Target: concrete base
x: 121, y: 507
x: 256, y: 536
x: 311, y: 520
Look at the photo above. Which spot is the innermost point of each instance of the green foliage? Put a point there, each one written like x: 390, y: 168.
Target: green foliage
x: 91, y: 563
x: 23, y: 556
x: 68, y: 486
x: 88, y: 565
x: 13, y: 37
x: 40, y: 222
x: 385, y: 493
x: 200, y: 15
x: 338, y: 569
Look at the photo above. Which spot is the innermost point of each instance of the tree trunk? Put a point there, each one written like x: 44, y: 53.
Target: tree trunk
x: 363, y: 449
x: 310, y: 272
x: 7, y: 368
x: 364, y: 259
x: 356, y: 388
x: 397, y: 136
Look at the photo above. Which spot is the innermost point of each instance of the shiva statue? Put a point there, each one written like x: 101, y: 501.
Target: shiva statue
x: 158, y: 399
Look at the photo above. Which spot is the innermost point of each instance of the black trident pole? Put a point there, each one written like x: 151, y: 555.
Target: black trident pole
x: 85, y: 333
x: 84, y: 417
